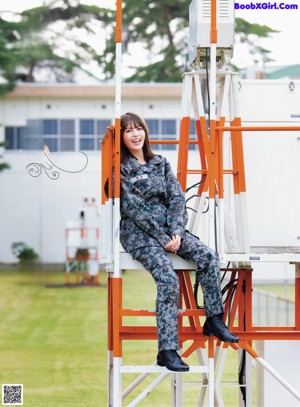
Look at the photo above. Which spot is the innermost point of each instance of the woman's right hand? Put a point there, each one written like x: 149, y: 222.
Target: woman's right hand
x: 173, y: 245
x: 168, y: 247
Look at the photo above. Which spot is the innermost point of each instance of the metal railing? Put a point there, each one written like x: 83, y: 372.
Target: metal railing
x: 270, y: 309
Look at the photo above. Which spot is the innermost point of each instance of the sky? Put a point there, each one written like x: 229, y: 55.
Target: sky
x: 284, y: 46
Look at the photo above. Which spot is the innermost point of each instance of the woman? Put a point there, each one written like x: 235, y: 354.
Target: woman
x: 153, y: 222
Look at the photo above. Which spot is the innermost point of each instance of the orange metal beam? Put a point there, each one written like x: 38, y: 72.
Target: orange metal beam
x: 220, y: 170
x: 130, y: 332
x: 110, y: 314
x: 240, y: 157
x: 212, y: 159
x: 116, y: 316
x: 183, y: 151
x: 107, y: 164
x: 118, y: 32
x: 213, y: 22
x: 258, y: 128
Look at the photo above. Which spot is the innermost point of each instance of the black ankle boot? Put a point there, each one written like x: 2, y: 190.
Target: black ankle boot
x: 172, y: 361
x: 215, y: 326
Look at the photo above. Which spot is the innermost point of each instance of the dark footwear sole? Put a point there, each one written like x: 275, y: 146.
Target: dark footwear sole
x: 210, y: 334
x: 183, y: 369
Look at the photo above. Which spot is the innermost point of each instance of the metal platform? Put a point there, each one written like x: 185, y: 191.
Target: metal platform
x: 266, y: 254
x: 127, y: 263
x: 256, y: 254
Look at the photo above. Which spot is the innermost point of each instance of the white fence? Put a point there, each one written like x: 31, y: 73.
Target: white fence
x: 272, y: 310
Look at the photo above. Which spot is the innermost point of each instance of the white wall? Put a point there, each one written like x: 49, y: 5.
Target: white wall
x: 36, y: 209
x: 281, y: 356
x: 272, y: 162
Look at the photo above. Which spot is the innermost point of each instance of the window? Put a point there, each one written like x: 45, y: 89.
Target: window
x: 153, y: 127
x: 67, y: 135
x: 168, y: 127
x: 10, y: 142
x: 49, y: 127
x: 67, y: 127
x: 192, y: 135
x: 50, y: 134
x: 162, y: 129
x: 67, y: 144
x: 101, y: 130
x: 87, y: 134
x: 58, y: 135
x: 32, y: 138
x: 86, y: 127
x: 52, y: 143
x: 87, y: 144
x: 102, y: 127
x: 79, y: 134
x: 91, y: 132
x: 33, y: 127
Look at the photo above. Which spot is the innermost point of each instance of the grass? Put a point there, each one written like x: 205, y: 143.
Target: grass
x: 54, y: 341
x: 286, y: 291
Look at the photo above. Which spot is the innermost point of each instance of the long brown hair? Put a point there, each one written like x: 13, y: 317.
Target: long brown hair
x: 137, y: 121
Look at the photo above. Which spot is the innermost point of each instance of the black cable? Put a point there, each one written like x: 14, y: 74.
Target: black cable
x: 224, y: 274
x: 191, y: 197
x: 232, y: 292
x: 242, y: 368
x: 196, y: 288
x: 196, y: 195
x: 192, y: 209
x: 228, y: 285
x: 196, y: 185
x: 241, y: 373
x: 206, y: 210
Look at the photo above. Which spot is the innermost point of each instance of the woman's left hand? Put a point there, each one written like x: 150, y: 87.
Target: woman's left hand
x: 176, y: 239
x: 174, y: 244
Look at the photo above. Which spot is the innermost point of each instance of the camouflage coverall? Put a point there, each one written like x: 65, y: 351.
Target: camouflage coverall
x: 152, y: 210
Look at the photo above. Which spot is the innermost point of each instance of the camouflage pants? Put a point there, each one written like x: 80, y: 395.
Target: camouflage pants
x: 156, y: 260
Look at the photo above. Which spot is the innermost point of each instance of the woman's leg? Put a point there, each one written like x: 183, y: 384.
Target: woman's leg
x: 208, y: 272
x: 157, y: 262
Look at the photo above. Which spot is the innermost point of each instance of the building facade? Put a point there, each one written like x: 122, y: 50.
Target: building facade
x: 46, y: 188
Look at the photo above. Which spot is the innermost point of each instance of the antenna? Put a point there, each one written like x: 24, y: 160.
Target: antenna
x: 200, y: 32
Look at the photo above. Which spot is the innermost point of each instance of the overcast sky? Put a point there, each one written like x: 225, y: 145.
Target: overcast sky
x: 284, y: 46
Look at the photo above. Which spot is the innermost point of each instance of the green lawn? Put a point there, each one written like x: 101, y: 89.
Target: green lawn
x: 286, y: 291
x: 53, y: 341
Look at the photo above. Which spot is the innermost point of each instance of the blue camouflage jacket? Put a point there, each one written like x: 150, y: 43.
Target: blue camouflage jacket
x: 152, y: 204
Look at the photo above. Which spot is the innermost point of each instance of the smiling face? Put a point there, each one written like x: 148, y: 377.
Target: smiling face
x: 134, y: 137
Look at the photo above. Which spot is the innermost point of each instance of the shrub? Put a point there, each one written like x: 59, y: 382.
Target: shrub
x: 23, y: 252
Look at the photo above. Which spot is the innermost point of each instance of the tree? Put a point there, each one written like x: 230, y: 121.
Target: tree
x: 161, y: 27
x: 249, y: 33
x: 34, y: 44
x: 56, y: 39
x: 3, y: 166
x: 24, y: 253
x: 7, y: 58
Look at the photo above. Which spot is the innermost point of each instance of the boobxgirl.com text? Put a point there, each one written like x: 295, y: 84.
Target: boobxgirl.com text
x: 266, y: 6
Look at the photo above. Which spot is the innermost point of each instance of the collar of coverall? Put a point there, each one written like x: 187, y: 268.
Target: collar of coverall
x: 133, y: 163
